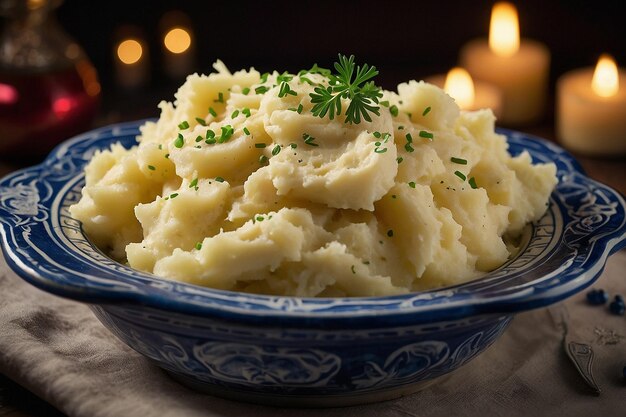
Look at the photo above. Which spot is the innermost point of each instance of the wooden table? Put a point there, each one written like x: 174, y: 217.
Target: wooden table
x: 15, y: 401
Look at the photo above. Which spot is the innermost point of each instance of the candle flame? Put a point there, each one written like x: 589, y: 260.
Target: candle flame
x: 605, y: 81
x: 35, y: 4
x: 129, y: 51
x: 177, y: 40
x: 504, y: 29
x: 460, y: 87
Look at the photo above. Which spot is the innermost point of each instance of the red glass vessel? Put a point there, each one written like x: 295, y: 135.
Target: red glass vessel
x: 49, y: 90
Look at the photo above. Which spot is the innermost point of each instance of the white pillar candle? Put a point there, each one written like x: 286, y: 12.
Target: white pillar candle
x: 591, y: 109
x: 468, y: 94
x: 519, y: 69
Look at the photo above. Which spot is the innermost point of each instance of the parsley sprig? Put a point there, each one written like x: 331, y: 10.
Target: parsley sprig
x: 358, y: 88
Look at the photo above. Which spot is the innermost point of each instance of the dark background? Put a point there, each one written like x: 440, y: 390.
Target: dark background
x: 404, y: 39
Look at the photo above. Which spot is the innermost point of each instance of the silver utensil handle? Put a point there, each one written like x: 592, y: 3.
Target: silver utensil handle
x: 582, y: 356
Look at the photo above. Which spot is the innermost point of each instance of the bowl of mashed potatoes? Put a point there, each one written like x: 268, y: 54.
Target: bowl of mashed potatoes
x: 309, y: 239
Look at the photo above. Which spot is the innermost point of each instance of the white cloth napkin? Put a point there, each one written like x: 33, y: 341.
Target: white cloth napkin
x: 58, y: 349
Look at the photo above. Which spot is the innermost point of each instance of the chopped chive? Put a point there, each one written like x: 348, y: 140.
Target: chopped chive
x: 409, y: 138
x: 245, y: 91
x: 377, y: 135
x: 261, y: 90
x: 259, y: 218
x: 293, y: 145
x: 308, y: 139
x: 183, y: 125
x: 151, y: 167
x: 390, y: 232
x: 426, y: 111
x: 393, y: 110
x: 264, y: 77
x: 460, y: 175
x: 300, y: 107
x: 262, y: 159
x: 212, y: 112
x: 399, y: 159
x: 246, y: 131
x: 193, y: 183
x: 227, y: 133
x: 199, y: 138
x: 210, y: 134
x: 459, y: 161
x: 220, y: 98
x: 167, y: 156
x: 352, y: 269
x: 219, y: 179
x: 412, y: 184
x: 408, y: 147
x: 378, y: 148
x: 384, y: 103
x: 198, y: 246
x: 160, y: 147
x: 234, y: 114
x: 201, y: 121
x: 472, y: 183
x: 276, y: 150
x: 180, y: 141
x: 246, y: 111
x: 173, y: 195
x: 400, y: 127
x: 260, y: 145
x: 427, y: 135
x: 285, y: 90
x: 284, y: 77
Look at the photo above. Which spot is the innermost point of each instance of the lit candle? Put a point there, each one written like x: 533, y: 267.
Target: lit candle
x: 178, y: 45
x: 518, y: 68
x: 131, y: 62
x: 591, y: 109
x: 468, y: 94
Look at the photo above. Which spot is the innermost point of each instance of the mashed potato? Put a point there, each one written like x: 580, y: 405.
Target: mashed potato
x: 237, y: 188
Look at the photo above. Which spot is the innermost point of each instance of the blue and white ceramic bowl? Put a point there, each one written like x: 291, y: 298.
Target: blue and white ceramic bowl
x: 303, y: 351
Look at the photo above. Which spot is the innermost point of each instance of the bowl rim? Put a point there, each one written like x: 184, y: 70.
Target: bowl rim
x: 580, y: 270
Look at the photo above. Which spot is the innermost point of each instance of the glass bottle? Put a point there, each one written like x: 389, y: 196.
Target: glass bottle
x: 49, y: 91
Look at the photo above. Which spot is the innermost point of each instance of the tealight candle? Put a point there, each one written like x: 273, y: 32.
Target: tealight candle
x: 591, y: 109
x: 178, y: 45
x: 130, y: 57
x: 468, y: 94
x: 518, y: 68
